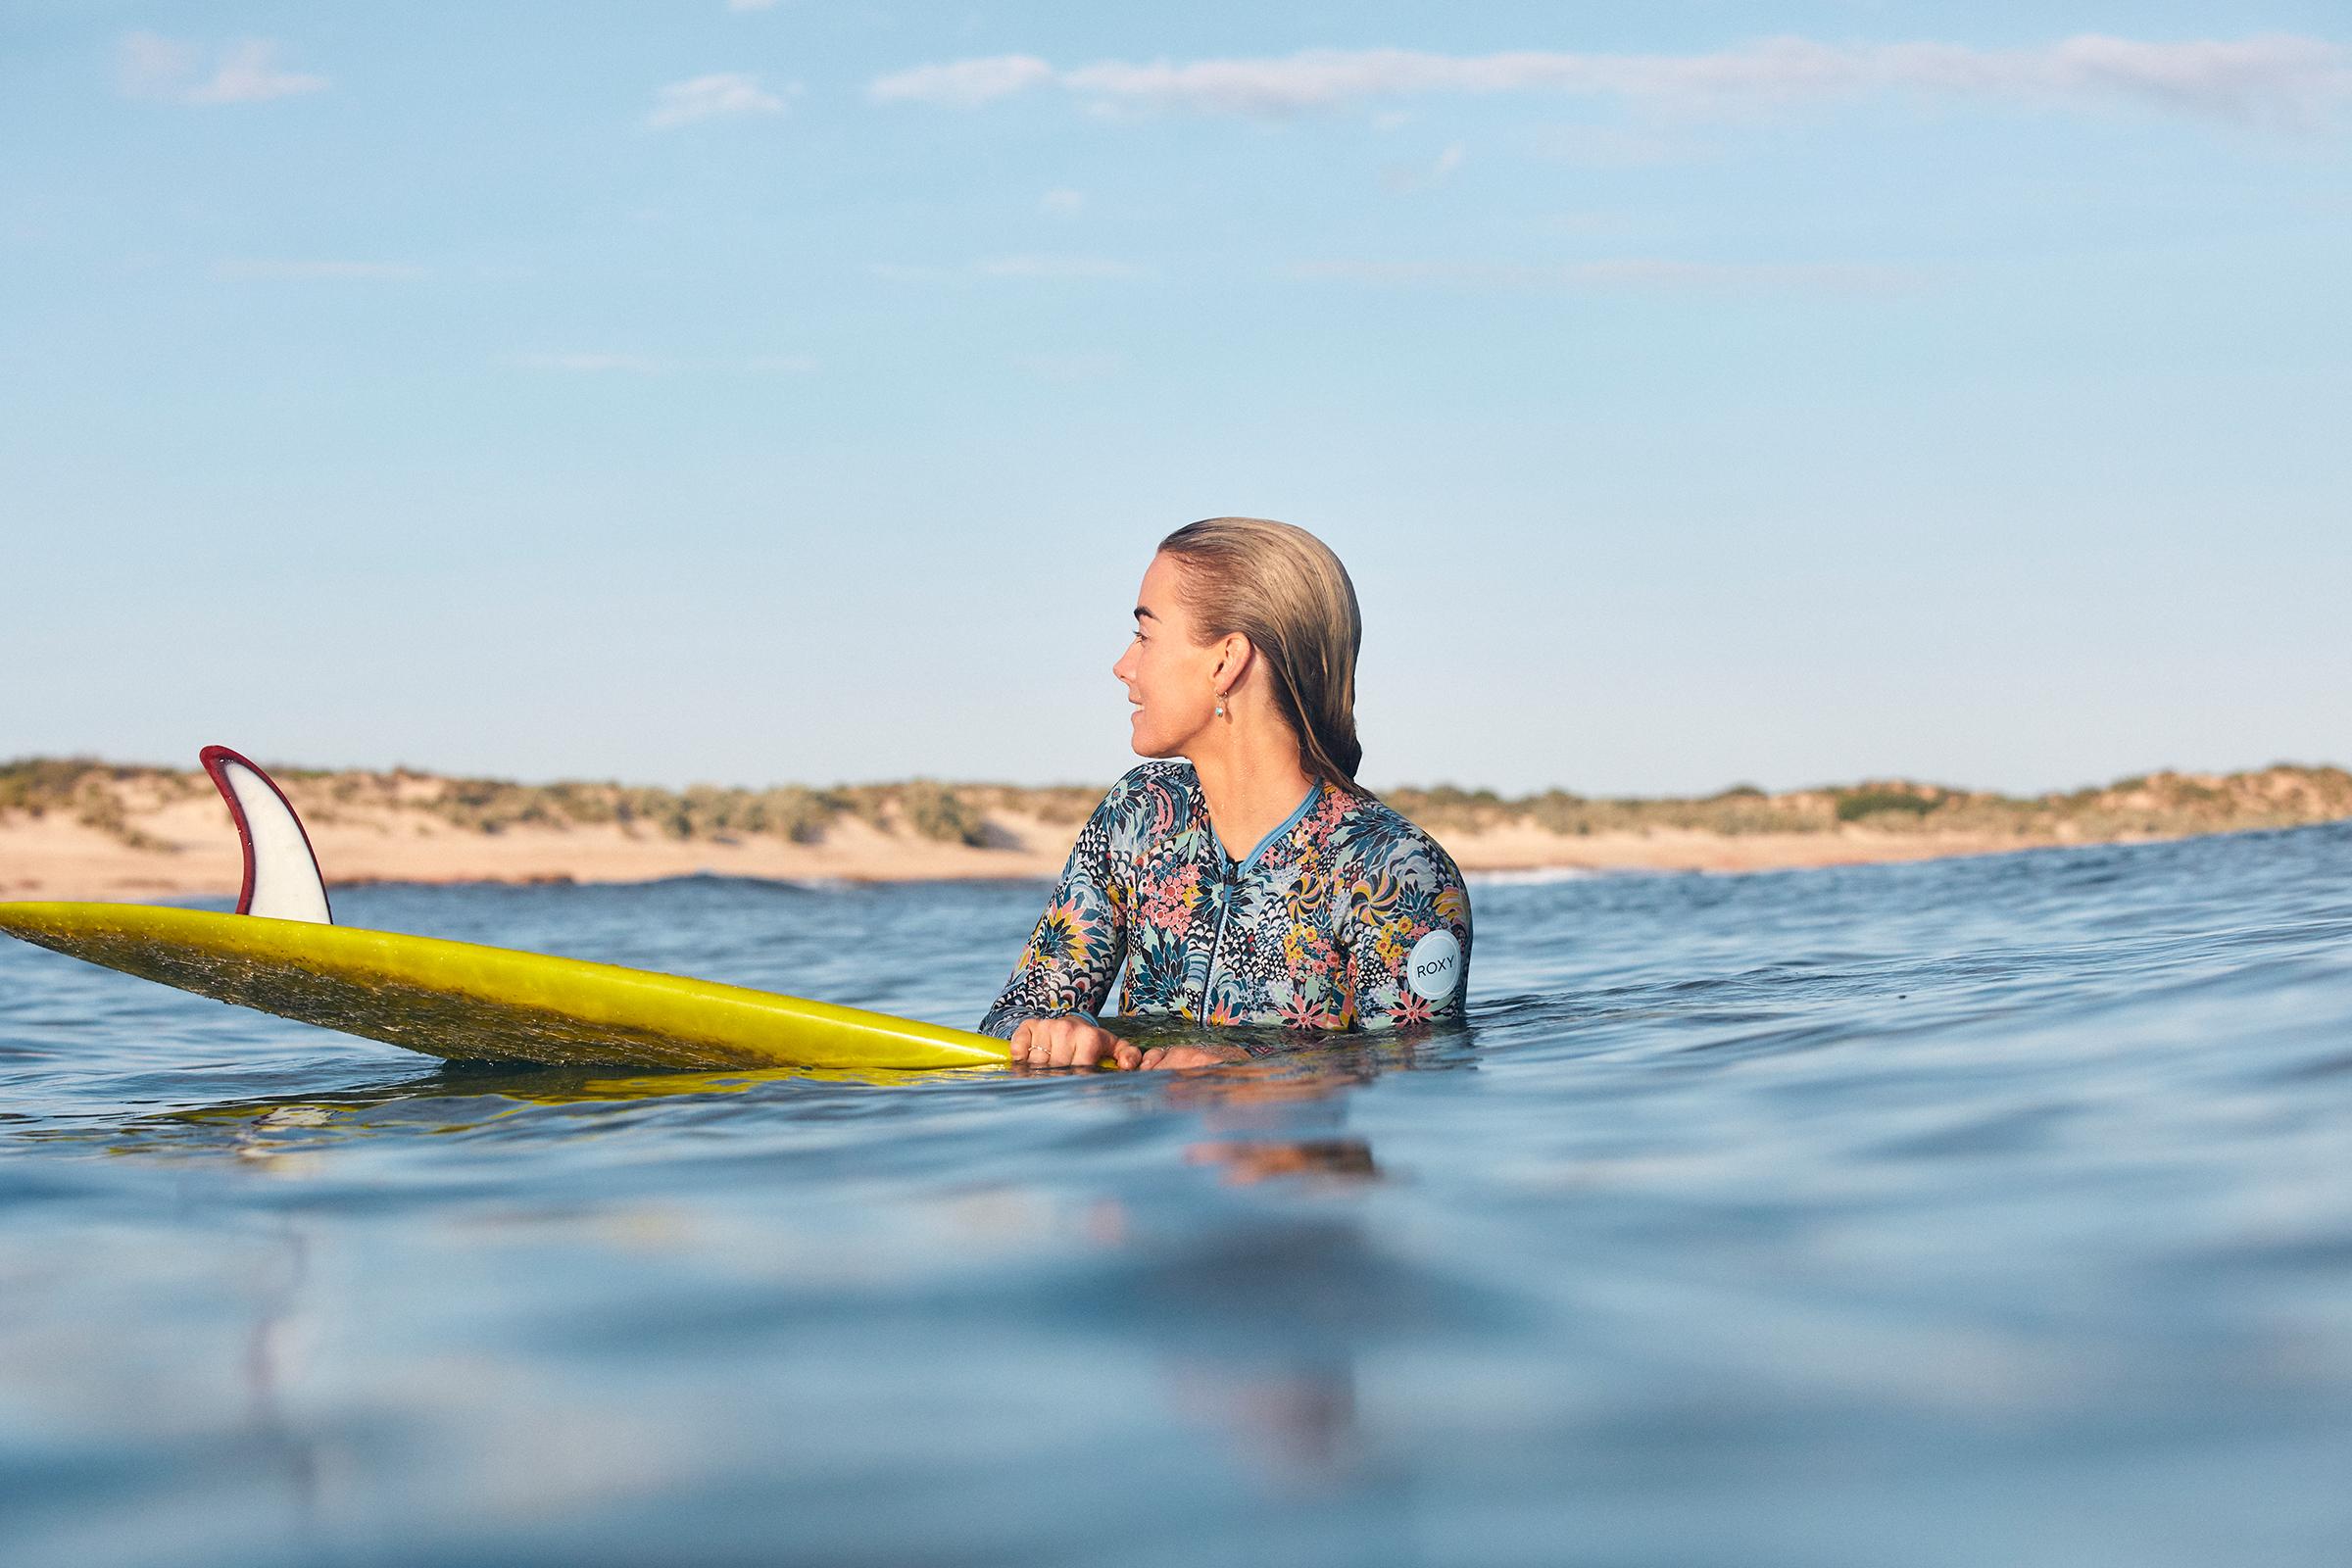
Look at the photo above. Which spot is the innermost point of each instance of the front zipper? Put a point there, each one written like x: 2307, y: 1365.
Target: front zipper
x: 1224, y: 913
x: 1232, y: 877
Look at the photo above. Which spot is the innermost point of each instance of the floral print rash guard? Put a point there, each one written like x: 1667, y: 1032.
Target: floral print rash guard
x: 1348, y: 916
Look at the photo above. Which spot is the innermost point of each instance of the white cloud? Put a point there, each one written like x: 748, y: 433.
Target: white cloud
x: 1641, y: 273
x: 1063, y: 202
x: 721, y: 93
x: 964, y: 84
x: 2271, y: 79
x: 242, y: 73
x: 310, y: 271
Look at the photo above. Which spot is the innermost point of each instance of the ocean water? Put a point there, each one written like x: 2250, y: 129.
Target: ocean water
x: 1986, y: 1212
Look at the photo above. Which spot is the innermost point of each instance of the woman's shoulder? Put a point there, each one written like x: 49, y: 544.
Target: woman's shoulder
x: 1162, y: 777
x: 1149, y: 799
x: 1368, y: 833
x: 1171, y: 772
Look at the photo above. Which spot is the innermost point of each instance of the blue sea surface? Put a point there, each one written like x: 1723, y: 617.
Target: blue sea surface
x: 1986, y: 1212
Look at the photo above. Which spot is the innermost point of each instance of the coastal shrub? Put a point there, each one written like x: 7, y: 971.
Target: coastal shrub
x: 98, y: 804
x: 637, y: 804
x: 1855, y: 805
x: 1062, y: 804
x: 581, y: 805
x: 491, y: 804
x: 936, y: 812
x: 111, y: 797
x: 39, y: 785
x: 788, y: 812
x: 1449, y: 806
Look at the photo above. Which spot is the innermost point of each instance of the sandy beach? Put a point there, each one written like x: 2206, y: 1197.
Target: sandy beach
x: 186, y: 847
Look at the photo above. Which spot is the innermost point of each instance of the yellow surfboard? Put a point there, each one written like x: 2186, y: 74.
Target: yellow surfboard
x: 464, y: 1001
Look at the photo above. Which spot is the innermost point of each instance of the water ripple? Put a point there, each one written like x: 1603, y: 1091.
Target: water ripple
x: 1952, y: 1212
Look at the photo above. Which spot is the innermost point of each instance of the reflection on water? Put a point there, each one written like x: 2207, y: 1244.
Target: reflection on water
x: 1340, y: 1159
x: 1962, y: 1213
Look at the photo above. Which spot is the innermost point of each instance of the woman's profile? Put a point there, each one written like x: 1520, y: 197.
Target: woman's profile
x: 1242, y: 876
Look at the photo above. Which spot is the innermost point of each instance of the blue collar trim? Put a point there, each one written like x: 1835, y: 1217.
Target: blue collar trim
x: 1277, y: 836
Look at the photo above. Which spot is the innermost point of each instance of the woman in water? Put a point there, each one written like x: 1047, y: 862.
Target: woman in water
x: 1243, y: 877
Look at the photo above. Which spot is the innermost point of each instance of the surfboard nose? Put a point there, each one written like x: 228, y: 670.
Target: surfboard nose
x: 282, y: 881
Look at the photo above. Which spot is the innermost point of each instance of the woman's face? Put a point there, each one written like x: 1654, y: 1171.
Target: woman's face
x: 1171, y: 681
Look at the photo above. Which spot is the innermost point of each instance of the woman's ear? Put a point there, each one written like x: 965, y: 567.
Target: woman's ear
x: 1232, y: 661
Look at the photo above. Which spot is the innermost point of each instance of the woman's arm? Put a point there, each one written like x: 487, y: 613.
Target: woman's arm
x: 1408, y: 920
x: 1065, y: 970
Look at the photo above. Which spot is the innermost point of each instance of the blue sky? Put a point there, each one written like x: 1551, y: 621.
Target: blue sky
x: 677, y: 390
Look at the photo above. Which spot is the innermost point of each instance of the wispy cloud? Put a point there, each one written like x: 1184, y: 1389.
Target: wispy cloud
x: 751, y: 5
x: 717, y: 95
x: 1063, y: 202
x: 246, y: 271
x: 2271, y: 79
x: 965, y: 83
x: 1639, y: 273
x: 246, y: 71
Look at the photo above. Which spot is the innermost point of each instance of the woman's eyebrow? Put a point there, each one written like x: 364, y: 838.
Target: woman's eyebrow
x: 1143, y: 612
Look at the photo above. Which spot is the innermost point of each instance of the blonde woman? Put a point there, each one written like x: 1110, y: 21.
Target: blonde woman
x: 1243, y: 877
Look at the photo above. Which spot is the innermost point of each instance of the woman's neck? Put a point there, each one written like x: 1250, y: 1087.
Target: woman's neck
x: 1251, y: 789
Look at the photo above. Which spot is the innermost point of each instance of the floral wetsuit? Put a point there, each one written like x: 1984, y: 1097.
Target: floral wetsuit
x: 1348, y: 916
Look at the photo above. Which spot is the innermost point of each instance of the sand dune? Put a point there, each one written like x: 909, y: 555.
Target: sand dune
x: 86, y: 830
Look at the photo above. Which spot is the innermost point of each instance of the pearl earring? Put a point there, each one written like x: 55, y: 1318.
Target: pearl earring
x: 1220, y: 705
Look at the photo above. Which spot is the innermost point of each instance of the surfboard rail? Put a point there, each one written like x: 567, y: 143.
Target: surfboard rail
x: 462, y: 1000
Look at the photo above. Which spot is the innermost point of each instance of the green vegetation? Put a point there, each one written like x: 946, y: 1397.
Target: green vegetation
x: 935, y: 811
x: 117, y: 799
x: 1854, y: 806
x: 2282, y: 795
x: 97, y: 795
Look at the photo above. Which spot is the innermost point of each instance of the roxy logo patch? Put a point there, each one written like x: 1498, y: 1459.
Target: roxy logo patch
x: 1434, y: 965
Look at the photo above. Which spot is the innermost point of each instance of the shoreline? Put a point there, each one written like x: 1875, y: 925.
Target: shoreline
x: 59, y: 860
x: 86, y: 830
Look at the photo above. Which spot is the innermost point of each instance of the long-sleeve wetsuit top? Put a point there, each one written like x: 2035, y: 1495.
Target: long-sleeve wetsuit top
x: 1346, y: 917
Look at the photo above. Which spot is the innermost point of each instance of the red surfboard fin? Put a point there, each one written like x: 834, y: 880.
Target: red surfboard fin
x: 281, y: 870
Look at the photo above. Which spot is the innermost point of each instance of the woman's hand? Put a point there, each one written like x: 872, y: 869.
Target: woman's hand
x: 1064, y: 1042
x: 1072, y: 1041
x: 1178, y: 1056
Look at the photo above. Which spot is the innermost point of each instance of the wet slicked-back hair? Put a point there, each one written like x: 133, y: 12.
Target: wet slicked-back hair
x: 1282, y: 588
